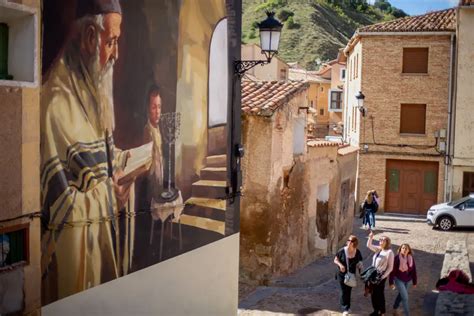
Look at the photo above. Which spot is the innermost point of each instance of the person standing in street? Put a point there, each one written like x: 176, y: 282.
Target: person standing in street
x: 383, y: 261
x: 370, y: 207
x: 404, y: 272
x: 348, y: 259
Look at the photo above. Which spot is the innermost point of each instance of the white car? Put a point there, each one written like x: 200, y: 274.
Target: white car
x: 456, y: 213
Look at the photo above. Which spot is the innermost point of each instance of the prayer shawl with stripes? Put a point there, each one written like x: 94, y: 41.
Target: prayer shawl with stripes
x: 79, y: 241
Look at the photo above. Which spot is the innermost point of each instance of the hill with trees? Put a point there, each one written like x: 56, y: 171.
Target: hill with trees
x: 314, y: 30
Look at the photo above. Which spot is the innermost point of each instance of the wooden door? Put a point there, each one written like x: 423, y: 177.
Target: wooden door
x: 411, y: 186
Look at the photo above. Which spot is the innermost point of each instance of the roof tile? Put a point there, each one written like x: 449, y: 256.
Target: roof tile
x: 264, y: 96
x: 438, y: 21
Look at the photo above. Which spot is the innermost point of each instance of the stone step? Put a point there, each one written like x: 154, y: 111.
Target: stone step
x: 214, y: 173
x: 216, y: 161
x: 209, y: 189
x: 205, y: 212
x: 210, y: 203
x: 202, y: 223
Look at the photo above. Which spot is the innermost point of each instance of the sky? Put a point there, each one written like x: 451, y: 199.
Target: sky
x: 416, y: 7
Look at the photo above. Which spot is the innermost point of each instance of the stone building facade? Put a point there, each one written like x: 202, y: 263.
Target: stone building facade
x: 296, y: 193
x: 402, y: 135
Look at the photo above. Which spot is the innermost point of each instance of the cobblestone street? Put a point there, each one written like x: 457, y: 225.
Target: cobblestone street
x: 314, y: 291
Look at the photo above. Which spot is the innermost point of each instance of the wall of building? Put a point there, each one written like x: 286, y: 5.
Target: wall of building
x: 352, y: 116
x: 19, y: 138
x: 385, y: 87
x: 372, y: 173
x: 291, y: 204
x: 463, y: 159
x: 201, y: 282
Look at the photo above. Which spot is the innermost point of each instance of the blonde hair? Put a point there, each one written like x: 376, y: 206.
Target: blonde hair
x: 369, y: 198
x: 387, y: 244
x: 410, y: 252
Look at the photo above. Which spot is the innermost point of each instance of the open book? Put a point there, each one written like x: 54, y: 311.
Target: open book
x: 138, y: 162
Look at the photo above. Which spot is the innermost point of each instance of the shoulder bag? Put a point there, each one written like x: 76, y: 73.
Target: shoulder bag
x: 349, y: 278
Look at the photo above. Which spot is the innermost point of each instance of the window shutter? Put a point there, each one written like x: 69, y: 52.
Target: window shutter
x: 413, y: 118
x: 415, y: 60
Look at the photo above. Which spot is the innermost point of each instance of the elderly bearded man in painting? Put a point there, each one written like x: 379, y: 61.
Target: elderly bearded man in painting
x: 80, y: 167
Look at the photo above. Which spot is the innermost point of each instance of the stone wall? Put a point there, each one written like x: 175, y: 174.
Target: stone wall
x: 291, y: 205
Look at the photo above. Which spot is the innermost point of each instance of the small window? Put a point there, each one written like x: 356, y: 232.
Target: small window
x: 429, y: 183
x: 467, y: 183
x: 311, y: 102
x: 13, y: 246
x: 321, y: 111
x: 393, y: 180
x: 322, y: 89
x: 412, y: 118
x: 343, y: 74
x: 335, y: 101
x: 283, y: 74
x: 415, y: 60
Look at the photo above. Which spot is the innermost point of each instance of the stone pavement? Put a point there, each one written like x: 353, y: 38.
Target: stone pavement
x: 313, y: 290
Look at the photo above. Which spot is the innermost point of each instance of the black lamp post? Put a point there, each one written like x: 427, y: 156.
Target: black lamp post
x: 270, y: 30
x: 360, y: 103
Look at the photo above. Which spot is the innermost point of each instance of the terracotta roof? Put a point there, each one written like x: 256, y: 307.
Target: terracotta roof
x: 466, y: 2
x: 264, y: 97
x: 438, y: 21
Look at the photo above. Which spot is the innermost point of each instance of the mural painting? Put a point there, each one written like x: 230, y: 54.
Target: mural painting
x: 134, y: 136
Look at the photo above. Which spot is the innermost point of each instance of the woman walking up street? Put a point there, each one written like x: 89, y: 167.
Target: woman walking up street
x: 370, y: 207
x: 348, y: 259
x: 404, y: 272
x: 382, y: 260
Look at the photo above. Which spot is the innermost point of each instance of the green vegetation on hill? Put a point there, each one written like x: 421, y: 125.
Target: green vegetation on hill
x: 314, y: 30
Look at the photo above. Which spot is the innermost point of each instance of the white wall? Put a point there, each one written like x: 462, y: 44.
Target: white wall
x: 200, y: 282
x: 352, y: 87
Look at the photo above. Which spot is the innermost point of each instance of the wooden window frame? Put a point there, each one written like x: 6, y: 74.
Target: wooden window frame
x: 330, y: 108
x: 409, y: 66
x: 403, y: 126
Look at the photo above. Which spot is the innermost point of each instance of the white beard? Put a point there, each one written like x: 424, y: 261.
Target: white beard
x: 103, y: 81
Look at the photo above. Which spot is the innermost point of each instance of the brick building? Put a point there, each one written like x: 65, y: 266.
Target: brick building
x: 403, y: 69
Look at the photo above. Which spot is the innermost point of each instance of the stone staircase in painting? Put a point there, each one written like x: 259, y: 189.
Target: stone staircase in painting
x: 206, y: 208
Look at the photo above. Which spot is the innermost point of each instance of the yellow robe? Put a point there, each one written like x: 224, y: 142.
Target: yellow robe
x: 80, y: 245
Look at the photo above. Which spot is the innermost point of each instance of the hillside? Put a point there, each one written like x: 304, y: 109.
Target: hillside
x: 314, y: 30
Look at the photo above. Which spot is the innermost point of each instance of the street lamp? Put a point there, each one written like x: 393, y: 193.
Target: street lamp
x: 360, y: 103
x: 270, y: 30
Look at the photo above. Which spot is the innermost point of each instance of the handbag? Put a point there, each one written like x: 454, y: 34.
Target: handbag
x: 349, y: 278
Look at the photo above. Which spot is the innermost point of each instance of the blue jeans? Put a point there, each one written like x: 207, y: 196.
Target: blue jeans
x: 402, y: 296
x: 369, y: 219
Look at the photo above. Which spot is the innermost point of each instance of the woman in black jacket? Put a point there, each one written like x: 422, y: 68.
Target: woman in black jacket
x: 348, y: 259
x: 370, y: 207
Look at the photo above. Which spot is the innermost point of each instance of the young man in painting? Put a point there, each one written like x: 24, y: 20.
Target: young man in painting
x: 152, y: 133
x: 80, y: 166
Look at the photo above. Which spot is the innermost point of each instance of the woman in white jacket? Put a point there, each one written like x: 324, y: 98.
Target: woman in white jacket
x: 383, y: 262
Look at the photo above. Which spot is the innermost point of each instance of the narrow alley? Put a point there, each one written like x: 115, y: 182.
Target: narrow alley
x: 314, y: 291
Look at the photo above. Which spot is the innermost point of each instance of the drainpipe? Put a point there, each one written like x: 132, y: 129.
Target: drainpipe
x: 448, y: 176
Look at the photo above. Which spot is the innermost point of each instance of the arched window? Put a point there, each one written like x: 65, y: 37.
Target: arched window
x: 218, y: 76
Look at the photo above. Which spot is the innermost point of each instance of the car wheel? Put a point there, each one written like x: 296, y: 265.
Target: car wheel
x: 445, y: 223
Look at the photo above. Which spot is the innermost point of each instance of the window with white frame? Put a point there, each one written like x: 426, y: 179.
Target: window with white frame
x: 335, y: 100
x: 342, y: 74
